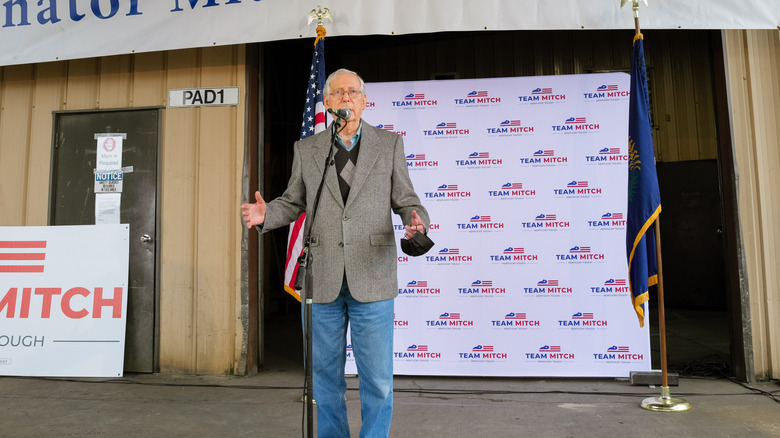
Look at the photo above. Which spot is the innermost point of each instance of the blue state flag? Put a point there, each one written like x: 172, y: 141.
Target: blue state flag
x: 644, y: 198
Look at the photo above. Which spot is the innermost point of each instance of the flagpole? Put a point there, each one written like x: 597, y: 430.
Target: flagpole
x: 664, y: 403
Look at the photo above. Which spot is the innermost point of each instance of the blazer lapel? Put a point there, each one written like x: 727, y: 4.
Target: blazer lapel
x: 369, y: 151
x: 319, y: 156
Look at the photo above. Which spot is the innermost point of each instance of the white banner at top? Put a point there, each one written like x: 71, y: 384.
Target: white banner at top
x: 49, y: 30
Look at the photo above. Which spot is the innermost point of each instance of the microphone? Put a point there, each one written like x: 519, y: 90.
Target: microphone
x: 343, y: 113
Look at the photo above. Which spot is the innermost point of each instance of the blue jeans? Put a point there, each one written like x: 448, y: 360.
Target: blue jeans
x: 371, y: 328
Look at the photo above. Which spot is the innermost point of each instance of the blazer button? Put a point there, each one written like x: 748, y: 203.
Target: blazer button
x: 341, y: 244
x: 344, y: 219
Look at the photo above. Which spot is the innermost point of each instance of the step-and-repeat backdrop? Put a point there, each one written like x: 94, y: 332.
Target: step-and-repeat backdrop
x: 525, y: 182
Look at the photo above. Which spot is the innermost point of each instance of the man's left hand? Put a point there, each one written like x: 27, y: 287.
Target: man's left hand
x: 416, y: 226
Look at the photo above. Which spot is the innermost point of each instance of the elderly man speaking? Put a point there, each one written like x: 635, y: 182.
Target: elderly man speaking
x: 353, y: 253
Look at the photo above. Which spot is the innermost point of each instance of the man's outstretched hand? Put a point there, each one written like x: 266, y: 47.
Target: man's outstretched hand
x: 254, y: 214
x: 417, y: 226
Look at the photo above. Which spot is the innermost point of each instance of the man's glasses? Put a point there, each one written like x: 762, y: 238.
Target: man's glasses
x: 339, y: 94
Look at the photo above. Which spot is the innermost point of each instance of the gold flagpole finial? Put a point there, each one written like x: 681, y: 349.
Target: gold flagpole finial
x: 635, y: 7
x: 320, y: 15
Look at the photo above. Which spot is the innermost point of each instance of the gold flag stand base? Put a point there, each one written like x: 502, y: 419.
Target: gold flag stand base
x: 665, y: 403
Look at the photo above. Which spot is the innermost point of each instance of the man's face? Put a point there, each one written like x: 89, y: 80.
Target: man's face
x: 345, y: 93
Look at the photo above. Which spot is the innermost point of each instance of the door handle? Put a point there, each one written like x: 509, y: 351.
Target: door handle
x: 146, y: 238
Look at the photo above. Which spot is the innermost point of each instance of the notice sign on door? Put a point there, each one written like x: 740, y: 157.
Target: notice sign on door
x: 63, y: 300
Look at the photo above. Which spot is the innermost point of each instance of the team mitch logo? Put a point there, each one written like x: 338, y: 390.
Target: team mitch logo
x: 477, y: 98
x: 575, y: 125
x: 514, y: 255
x: 481, y: 288
x: 515, y: 320
x: 416, y: 352
x: 449, y: 320
x: 618, y: 353
x: 391, y: 128
x: 482, y: 353
x: 605, y: 92
x: 548, y: 287
x: 542, y: 95
x: 418, y: 288
x: 478, y: 159
x: 448, y: 192
x: 449, y: 256
x: 580, y: 254
x: 577, y: 189
x: 509, y: 128
x: 608, y: 221
x: 414, y: 100
x: 481, y: 223
x: 611, y: 287
x: 606, y: 155
x: 544, y: 157
x: 446, y: 129
x: 511, y: 190
x: 582, y: 320
x: 549, y: 353
x: 419, y: 161
x: 546, y: 221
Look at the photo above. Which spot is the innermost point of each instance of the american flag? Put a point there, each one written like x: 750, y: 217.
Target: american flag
x: 510, y: 123
x: 416, y: 283
x: 512, y: 250
x: 542, y: 91
x: 607, y: 88
x: 385, y: 127
x: 447, y: 125
x: 514, y: 315
x: 512, y: 186
x: 22, y: 256
x: 478, y: 94
x: 544, y: 153
x: 447, y: 187
x: 550, y: 349
x: 577, y: 184
x: 482, y: 348
x: 618, y: 349
x: 479, y: 218
x: 546, y: 217
x: 612, y: 216
x: 313, y: 122
x: 447, y: 315
x: 580, y: 249
x: 571, y: 120
x: 547, y: 283
x: 413, y: 96
x: 415, y: 347
x: 479, y: 155
x: 580, y: 315
x: 415, y: 157
x: 449, y: 251
x: 609, y: 151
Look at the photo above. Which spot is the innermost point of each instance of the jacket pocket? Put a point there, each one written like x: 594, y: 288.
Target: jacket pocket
x: 385, y: 239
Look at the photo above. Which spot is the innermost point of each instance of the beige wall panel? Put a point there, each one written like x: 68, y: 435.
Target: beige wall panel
x: 17, y: 94
x: 755, y: 98
x: 82, y: 91
x: 178, y: 195
x: 48, y: 96
x: 215, y: 268
x: 149, y: 84
x: 116, y: 85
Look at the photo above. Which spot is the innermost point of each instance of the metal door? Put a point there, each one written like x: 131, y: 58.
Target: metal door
x: 72, y: 202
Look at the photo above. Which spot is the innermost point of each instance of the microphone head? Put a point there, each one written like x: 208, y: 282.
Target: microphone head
x: 343, y: 113
x: 346, y: 112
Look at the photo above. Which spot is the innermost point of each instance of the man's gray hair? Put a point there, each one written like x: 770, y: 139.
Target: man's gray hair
x: 339, y: 72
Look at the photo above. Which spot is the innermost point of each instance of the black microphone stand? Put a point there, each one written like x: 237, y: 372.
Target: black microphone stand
x: 304, y: 262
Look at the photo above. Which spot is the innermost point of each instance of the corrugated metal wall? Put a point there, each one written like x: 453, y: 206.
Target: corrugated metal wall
x: 753, y: 59
x: 202, y: 158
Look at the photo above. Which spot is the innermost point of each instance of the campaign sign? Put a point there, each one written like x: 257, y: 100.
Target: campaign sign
x: 63, y: 300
